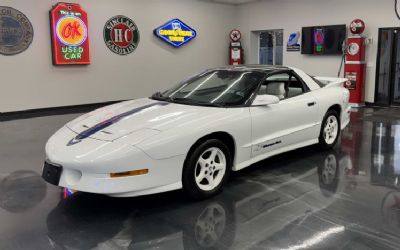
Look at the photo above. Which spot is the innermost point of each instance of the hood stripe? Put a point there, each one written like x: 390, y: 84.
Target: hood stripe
x: 104, y: 124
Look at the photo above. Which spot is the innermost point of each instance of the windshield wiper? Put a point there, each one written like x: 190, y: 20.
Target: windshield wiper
x: 183, y: 100
x: 193, y: 102
x: 159, y: 96
x: 179, y: 99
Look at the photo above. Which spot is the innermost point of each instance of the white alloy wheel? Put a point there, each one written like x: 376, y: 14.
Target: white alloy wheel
x: 210, y: 226
x: 331, y: 130
x: 210, y: 169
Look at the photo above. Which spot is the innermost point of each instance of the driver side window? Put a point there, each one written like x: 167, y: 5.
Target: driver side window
x: 282, y: 85
x: 294, y: 87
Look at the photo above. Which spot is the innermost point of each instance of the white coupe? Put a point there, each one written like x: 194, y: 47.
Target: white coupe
x: 193, y: 135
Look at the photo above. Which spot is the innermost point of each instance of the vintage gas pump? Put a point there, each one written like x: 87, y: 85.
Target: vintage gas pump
x: 235, y: 48
x: 355, y: 67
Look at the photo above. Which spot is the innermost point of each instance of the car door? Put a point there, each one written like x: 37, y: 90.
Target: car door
x: 291, y: 123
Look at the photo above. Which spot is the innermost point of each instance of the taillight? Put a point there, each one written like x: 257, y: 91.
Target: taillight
x: 347, y: 84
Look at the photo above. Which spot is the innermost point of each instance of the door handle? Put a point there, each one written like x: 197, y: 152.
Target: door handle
x: 310, y: 104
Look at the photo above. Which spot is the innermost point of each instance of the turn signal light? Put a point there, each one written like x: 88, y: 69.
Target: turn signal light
x: 129, y: 173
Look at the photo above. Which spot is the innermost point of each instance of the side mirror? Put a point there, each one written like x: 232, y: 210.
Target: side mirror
x: 265, y: 100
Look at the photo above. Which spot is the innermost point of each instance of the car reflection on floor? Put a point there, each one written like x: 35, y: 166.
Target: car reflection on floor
x: 281, y: 209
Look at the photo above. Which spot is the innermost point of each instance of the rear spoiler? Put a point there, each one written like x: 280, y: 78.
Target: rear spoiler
x: 332, y: 81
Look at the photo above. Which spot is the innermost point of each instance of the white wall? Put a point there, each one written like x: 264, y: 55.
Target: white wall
x: 291, y: 15
x: 30, y: 81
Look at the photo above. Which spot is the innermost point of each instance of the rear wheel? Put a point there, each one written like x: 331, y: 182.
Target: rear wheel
x: 206, y: 169
x: 330, y: 130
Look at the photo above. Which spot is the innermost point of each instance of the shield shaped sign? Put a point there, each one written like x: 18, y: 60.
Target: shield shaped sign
x: 175, y: 33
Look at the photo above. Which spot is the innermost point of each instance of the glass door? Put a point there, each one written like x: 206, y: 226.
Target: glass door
x: 395, y: 88
x: 271, y: 47
x: 387, y: 90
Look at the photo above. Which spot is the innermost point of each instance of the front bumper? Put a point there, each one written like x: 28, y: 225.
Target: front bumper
x: 86, y: 166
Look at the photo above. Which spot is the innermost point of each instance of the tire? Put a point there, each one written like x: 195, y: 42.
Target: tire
x: 330, y: 130
x: 206, y: 169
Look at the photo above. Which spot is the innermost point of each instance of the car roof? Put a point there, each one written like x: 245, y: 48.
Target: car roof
x: 255, y: 67
x: 269, y: 69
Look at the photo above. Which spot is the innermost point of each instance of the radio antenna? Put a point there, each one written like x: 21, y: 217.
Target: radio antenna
x: 344, y: 49
x: 396, y: 10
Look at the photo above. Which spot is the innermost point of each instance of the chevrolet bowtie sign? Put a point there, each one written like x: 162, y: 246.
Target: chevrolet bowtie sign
x: 175, y: 33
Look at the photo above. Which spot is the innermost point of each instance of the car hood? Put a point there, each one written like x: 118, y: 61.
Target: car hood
x: 145, y: 117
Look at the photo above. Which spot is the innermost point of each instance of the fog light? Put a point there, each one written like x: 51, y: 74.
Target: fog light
x: 130, y: 173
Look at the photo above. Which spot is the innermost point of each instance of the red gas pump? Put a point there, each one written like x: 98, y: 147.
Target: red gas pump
x: 355, y: 67
x: 235, y: 48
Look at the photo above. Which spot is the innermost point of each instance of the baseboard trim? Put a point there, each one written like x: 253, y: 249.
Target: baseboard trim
x: 32, y: 113
x: 370, y: 104
x: 373, y: 105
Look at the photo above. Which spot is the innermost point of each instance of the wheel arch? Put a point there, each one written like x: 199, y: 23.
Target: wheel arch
x: 334, y: 107
x: 223, y: 136
x: 337, y: 108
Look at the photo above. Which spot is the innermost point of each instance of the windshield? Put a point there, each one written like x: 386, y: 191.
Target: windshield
x: 215, y: 88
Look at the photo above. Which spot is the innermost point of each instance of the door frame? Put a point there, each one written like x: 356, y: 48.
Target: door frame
x: 393, y: 51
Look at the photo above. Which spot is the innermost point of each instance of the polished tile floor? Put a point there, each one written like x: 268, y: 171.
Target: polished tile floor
x: 346, y: 198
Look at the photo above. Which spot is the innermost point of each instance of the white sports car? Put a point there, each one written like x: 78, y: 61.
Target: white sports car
x: 193, y: 135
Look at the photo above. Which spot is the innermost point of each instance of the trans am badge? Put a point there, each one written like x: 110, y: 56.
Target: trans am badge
x: 175, y: 33
x: 16, y: 31
x: 121, y: 35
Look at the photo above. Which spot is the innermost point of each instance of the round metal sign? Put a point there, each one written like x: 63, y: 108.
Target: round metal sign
x: 353, y: 49
x: 121, y: 35
x: 235, y: 35
x: 16, y: 31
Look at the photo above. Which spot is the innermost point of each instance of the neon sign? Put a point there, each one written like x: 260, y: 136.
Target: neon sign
x: 70, y: 42
x: 175, y: 33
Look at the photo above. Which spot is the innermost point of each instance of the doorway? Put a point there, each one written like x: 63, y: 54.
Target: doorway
x: 271, y: 47
x: 387, y: 91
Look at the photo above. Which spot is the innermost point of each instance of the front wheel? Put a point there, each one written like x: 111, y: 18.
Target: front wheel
x: 206, y: 169
x: 330, y: 130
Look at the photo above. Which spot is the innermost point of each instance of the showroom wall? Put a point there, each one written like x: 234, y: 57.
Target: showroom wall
x: 291, y: 15
x: 30, y: 81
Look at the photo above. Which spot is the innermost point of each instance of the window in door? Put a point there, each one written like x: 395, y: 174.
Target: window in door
x: 283, y: 85
x: 295, y: 87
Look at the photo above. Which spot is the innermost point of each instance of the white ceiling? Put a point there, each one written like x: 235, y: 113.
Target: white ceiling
x: 231, y: 1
